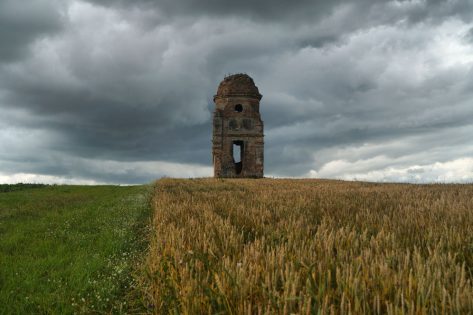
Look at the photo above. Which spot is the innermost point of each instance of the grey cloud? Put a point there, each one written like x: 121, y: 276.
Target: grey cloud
x: 469, y: 35
x: 121, y: 107
x: 22, y: 23
x: 439, y: 9
x: 330, y: 110
x: 121, y: 87
x: 363, y: 12
x: 265, y: 9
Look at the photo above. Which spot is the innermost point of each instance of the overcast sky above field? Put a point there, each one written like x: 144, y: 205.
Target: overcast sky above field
x: 121, y: 91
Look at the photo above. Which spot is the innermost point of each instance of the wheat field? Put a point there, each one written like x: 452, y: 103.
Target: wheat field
x: 273, y: 246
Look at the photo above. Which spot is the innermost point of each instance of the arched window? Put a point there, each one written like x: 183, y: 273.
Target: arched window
x: 238, y: 153
x: 238, y: 108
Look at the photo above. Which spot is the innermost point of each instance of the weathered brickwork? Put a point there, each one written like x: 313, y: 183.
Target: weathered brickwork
x: 238, y: 146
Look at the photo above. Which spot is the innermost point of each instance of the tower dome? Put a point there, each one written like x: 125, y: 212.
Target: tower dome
x: 239, y: 84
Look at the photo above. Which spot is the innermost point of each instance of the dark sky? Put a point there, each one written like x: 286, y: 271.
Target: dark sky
x: 121, y: 91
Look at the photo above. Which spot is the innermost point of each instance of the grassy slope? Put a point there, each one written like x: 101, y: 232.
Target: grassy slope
x: 305, y: 246
x: 66, y: 249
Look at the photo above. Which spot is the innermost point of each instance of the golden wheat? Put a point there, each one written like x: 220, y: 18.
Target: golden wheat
x: 310, y: 247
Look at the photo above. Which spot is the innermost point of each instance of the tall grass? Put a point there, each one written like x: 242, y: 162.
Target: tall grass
x: 310, y: 247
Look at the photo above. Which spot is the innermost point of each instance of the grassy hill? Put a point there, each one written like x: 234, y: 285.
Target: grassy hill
x: 237, y: 246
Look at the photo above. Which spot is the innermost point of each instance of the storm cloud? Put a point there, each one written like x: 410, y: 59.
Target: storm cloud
x: 121, y: 91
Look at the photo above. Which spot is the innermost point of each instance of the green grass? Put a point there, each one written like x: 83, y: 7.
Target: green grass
x: 71, y: 249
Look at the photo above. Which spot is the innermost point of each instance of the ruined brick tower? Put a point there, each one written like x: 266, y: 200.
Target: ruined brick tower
x: 238, y: 147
